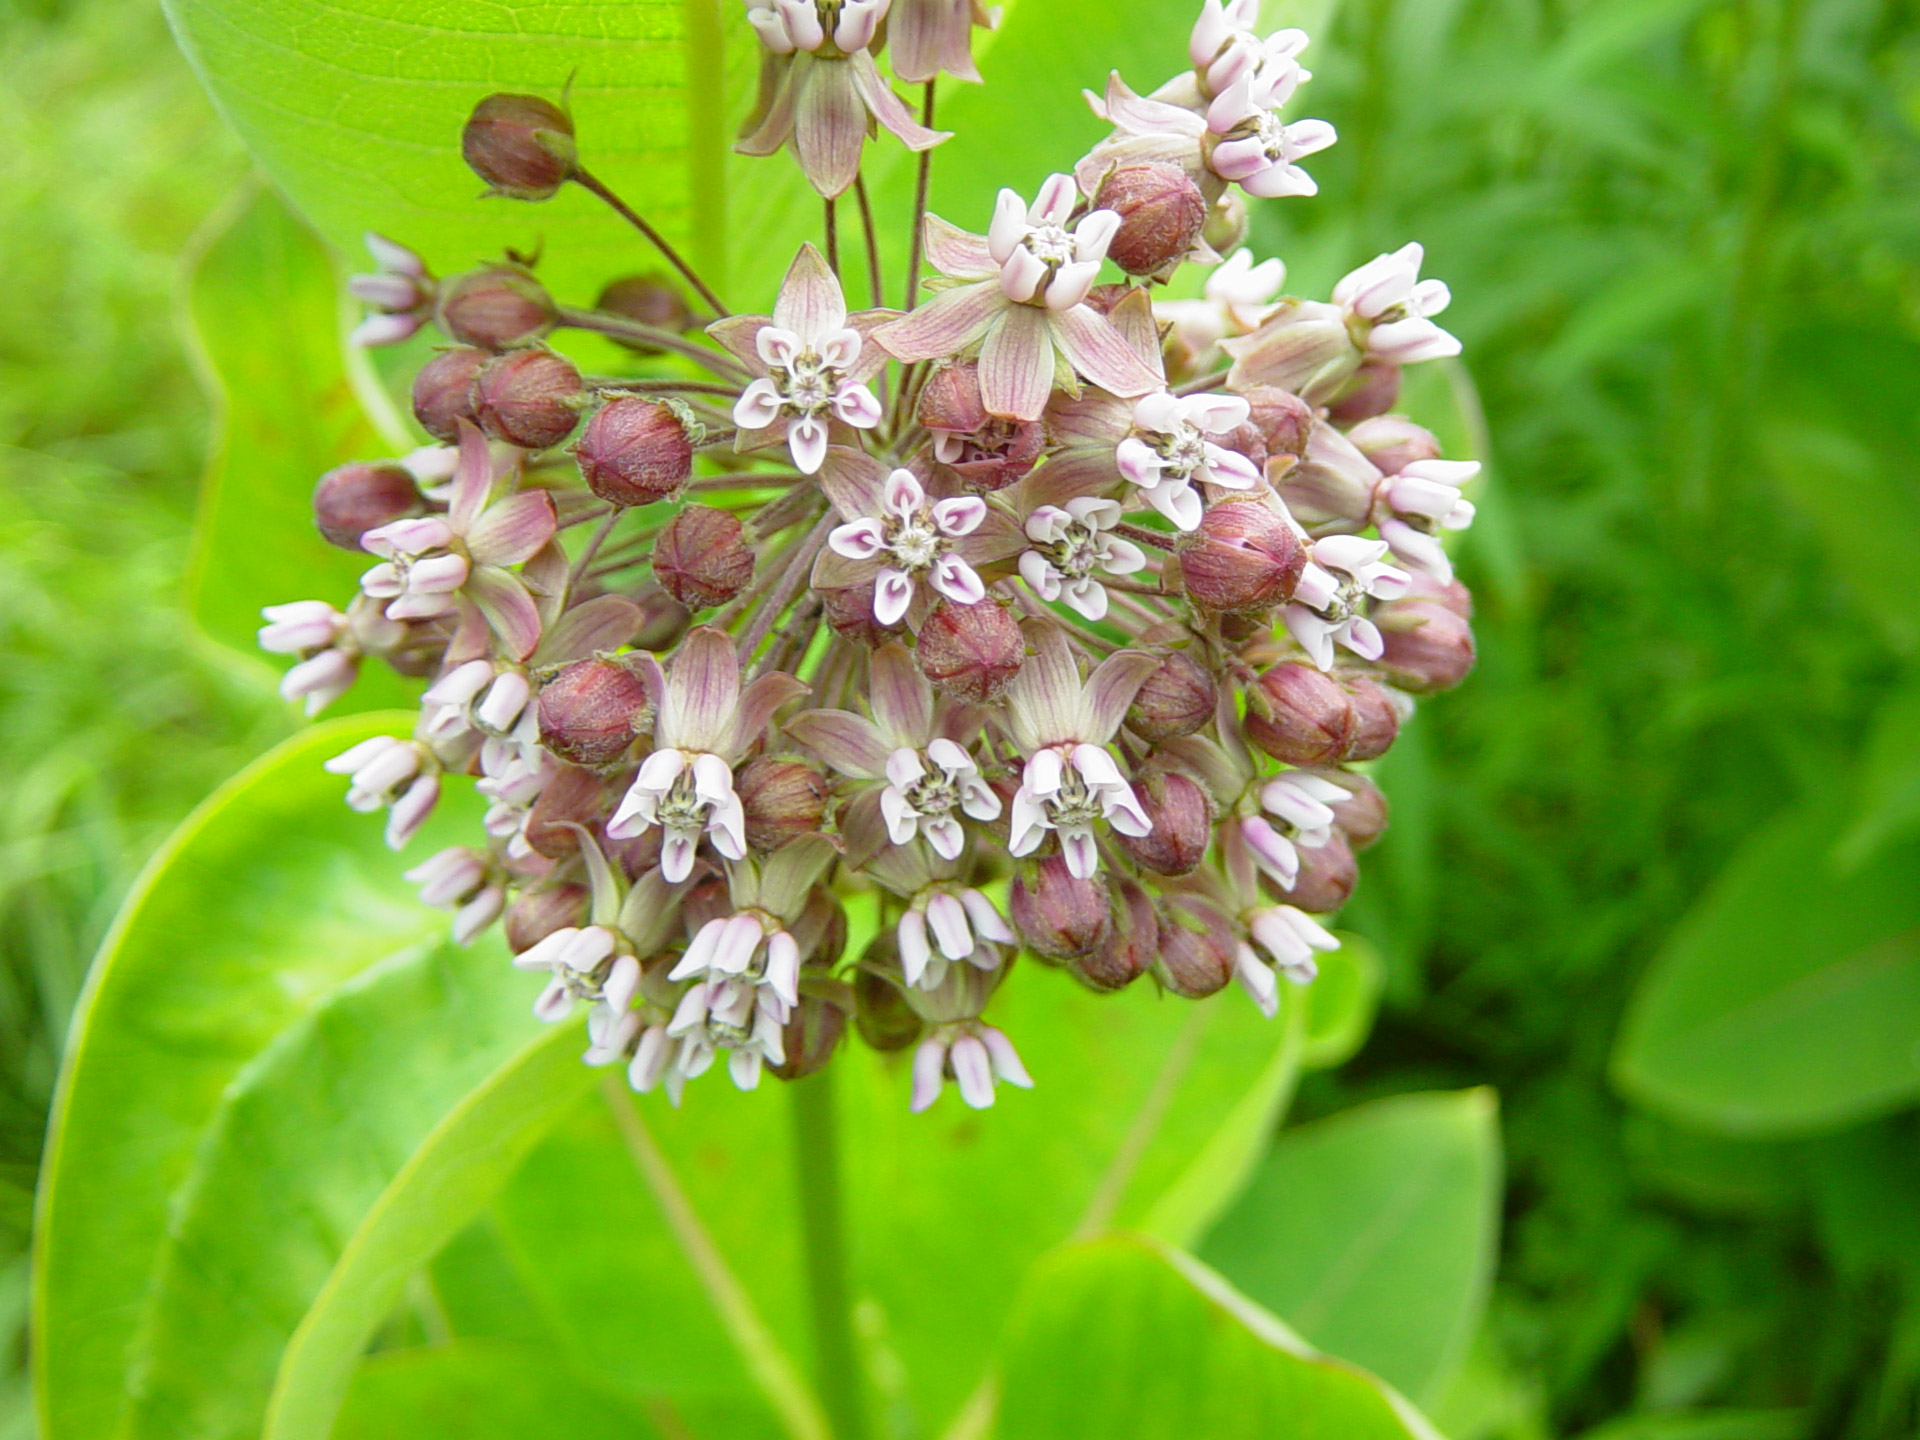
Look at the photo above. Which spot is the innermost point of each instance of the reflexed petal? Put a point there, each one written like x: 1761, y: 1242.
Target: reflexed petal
x: 901, y: 698
x: 886, y: 107
x: 703, y: 688
x: 944, y: 325
x: 952, y: 251
x: 829, y: 126
x: 1016, y: 364
x: 511, y: 531
x: 810, y: 304
x: 1098, y: 352
x: 509, y: 609
x: 472, y: 478
x: 972, y: 1071
x: 1044, y: 695
x: 846, y: 742
x: 1109, y: 691
x: 892, y: 594
x: 853, y: 482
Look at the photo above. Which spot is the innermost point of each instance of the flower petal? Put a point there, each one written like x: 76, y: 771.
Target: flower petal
x: 703, y: 690
x: 513, y: 530
x: 847, y: 742
x: 508, y: 607
x: 1099, y: 353
x: 829, y: 124
x: 810, y: 303
x: 1109, y: 691
x: 901, y: 698
x: 1016, y: 363
x: 953, y: 251
x: 944, y: 325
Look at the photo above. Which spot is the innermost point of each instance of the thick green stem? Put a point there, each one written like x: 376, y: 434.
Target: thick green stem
x: 816, y: 1163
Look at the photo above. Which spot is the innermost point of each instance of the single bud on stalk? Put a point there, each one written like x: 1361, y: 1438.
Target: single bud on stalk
x: 783, y: 799
x: 649, y: 299
x: 1182, y: 819
x: 1284, y: 420
x: 637, y: 451
x: 443, y: 391
x: 811, y: 1035
x: 1162, y: 213
x: 540, y: 912
x: 1196, y: 947
x: 587, y: 710
x: 1327, y: 876
x: 950, y: 399
x: 1331, y: 490
x: 1245, y: 559
x: 881, y: 1012
x: 1372, y: 390
x: 1130, y: 948
x: 971, y: 652
x: 1058, y: 914
x: 572, y: 797
x: 1226, y: 227
x: 497, y: 308
x: 1298, y: 714
x: 1393, y: 442
x: 1177, y: 699
x: 702, y: 557
x: 1378, y: 716
x: 521, y: 145
x: 528, y: 398
x: 1429, y: 646
x: 354, y: 499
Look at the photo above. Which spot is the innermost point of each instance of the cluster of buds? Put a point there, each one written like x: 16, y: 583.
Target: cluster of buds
x: 1048, y: 617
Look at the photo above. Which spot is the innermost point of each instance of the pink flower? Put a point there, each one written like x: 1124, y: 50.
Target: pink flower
x: 1388, y: 301
x: 1345, y: 571
x: 925, y: 37
x: 1224, y: 49
x: 1239, y: 138
x: 1421, y: 500
x: 400, y: 294
x: 401, y: 775
x: 1070, y: 546
x: 1169, y: 452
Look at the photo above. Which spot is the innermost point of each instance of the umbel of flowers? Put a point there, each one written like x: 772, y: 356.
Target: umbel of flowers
x: 1038, y: 615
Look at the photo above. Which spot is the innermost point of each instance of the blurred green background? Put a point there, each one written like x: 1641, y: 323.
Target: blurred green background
x: 1684, y: 241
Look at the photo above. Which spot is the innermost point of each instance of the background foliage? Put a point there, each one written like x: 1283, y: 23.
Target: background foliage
x: 1653, y: 870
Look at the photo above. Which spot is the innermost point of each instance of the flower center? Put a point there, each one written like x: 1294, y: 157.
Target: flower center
x: 1184, y: 450
x: 1050, y: 245
x: 730, y: 1018
x: 913, y: 542
x: 934, y: 793
x: 808, y: 385
x: 1075, y: 806
x: 1265, y: 127
x: 1075, y: 554
x: 681, y: 808
x: 1346, y: 599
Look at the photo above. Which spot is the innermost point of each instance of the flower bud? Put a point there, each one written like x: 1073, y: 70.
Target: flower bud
x: 1058, y: 914
x: 1362, y: 816
x: 1196, y: 947
x: 1162, y: 213
x: 1372, y: 390
x: 1177, y: 699
x: 649, y: 299
x: 1429, y: 646
x: 521, y: 145
x: 1327, y: 876
x: 528, y: 398
x: 1300, y: 715
x: 637, y: 451
x: 783, y: 799
x: 636, y: 854
x: 1393, y: 442
x: 354, y: 499
x: 1103, y: 298
x: 881, y: 1012
x: 1182, y: 818
x: 950, y: 399
x: 587, y: 712
x: 1130, y: 948
x: 811, y: 1035
x: 663, y: 620
x: 702, y: 557
x: 1285, y: 420
x: 970, y: 652
x: 538, y: 913
x: 1303, y: 346
x: 849, y: 610
x: 497, y: 308
x: 1331, y: 490
x: 443, y: 391
x: 1226, y: 227
x: 1244, y: 558
x: 572, y: 797
x: 1377, y: 718
x: 707, y: 900
x: 821, y: 930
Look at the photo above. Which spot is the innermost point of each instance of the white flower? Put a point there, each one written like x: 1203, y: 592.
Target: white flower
x: 922, y: 790
x: 400, y: 294
x: 976, y: 1054
x: 1424, y: 498
x: 1224, y: 47
x: 1040, y: 260
x: 1388, y: 298
x: 458, y: 879
x: 1069, y: 546
x: 1236, y: 298
x: 321, y: 636
x: 912, y: 540
x: 386, y: 771
x: 1065, y: 789
x: 963, y: 927
x: 1302, y: 803
x: 1170, y: 451
x: 1344, y: 570
x: 731, y: 1014
x: 751, y: 946
x: 786, y: 26
x: 582, y: 964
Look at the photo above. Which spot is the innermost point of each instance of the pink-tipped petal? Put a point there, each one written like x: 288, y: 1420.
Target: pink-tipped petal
x: 1016, y: 364
x: 972, y: 1071
x: 901, y: 698
x: 703, y: 689
x: 929, y: 1063
x: 1098, y: 353
x: 829, y: 126
x: 944, y: 325
x: 848, y: 743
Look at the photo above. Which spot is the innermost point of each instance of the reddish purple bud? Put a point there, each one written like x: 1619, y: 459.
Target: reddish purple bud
x: 1182, y: 817
x: 637, y: 451
x: 881, y: 1012
x: 572, y: 797
x: 1429, y: 646
x: 538, y: 913
x: 1283, y: 419
x: 1327, y: 876
x: 950, y: 399
x: 1377, y: 719
x: 1129, y: 949
x: 1103, y: 298
x: 1197, y: 947
x: 1226, y: 227
x: 702, y: 558
x: 1162, y: 213
x: 1298, y: 714
x: 649, y: 299
x: 521, y: 145
x: 970, y: 652
x: 587, y: 712
x: 1245, y: 439
x: 443, y: 392
x: 1058, y: 914
x: 849, y: 610
x: 1177, y: 699
x: 497, y: 308
x: 1393, y: 442
x: 354, y: 499
x: 821, y: 930
x: 784, y: 800
x: 1362, y: 816
x: 1244, y: 558
x: 637, y: 854
x: 529, y: 398
x: 811, y: 1035
x: 1373, y: 390
x: 708, y: 900
x: 1332, y: 488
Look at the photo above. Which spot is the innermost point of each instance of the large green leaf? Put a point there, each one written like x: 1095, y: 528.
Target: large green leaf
x: 1789, y: 998
x: 1374, y: 1233
x: 1122, y: 1339
x: 481, y: 1390
x: 266, y: 899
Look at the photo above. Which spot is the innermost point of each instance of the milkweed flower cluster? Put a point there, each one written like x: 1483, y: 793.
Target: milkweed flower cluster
x: 1050, y: 613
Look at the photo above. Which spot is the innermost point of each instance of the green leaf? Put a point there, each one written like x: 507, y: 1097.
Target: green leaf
x: 1788, y: 999
x: 1705, y: 1425
x: 1341, y: 1003
x: 484, y: 1390
x: 268, y: 897
x: 1125, y: 1340
x: 1888, y: 790
x: 1374, y: 1233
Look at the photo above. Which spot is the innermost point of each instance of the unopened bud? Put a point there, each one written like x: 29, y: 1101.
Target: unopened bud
x: 1429, y: 646
x: 587, y: 711
x: 663, y: 620
x: 1393, y: 442
x: 354, y: 499
x: 497, y: 308
x: 1196, y: 947
x: 702, y: 557
x: 783, y: 799
x: 572, y: 797
x: 881, y: 1012
x: 636, y: 854
x: 1182, y: 819
x: 1162, y: 213
x: 849, y: 610
x: 637, y: 451
x: 538, y: 913
x: 1102, y: 299
x: 821, y: 930
x: 950, y: 399
x: 1226, y: 227
x: 1362, y: 816
x: 1371, y: 390
x: 1245, y: 558
x: 1377, y: 716
x: 1131, y: 946
x: 649, y: 299
x: 521, y: 145
x: 1177, y: 699
x: 443, y: 391
x: 528, y: 398
x: 811, y: 1035
x: 1303, y: 346
x: 1285, y: 420
x: 1298, y: 714
x: 1331, y: 490
x: 1058, y: 914
x: 1327, y: 876
x: 971, y: 652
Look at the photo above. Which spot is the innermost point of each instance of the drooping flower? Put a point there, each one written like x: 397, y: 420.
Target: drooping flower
x: 1236, y: 137
x: 925, y: 37
x: 1345, y: 571
x: 387, y: 772
x: 960, y: 1043
x: 1020, y: 297
x: 1225, y: 47
x: 1422, y: 499
x: 1169, y: 452
x: 400, y: 294
x: 963, y: 927
x: 1291, y: 938
x: 460, y: 879
x: 1386, y: 301
x: 1302, y: 804
x: 1072, y: 547
x: 811, y: 362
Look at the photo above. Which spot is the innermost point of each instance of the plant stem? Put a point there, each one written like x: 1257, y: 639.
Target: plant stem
x: 620, y: 327
x: 872, y: 238
x: 832, y: 207
x: 816, y: 1164
x: 659, y: 241
x: 916, y: 239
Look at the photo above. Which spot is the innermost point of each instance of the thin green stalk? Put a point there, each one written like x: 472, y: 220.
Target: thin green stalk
x: 654, y: 237
x: 816, y: 1164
